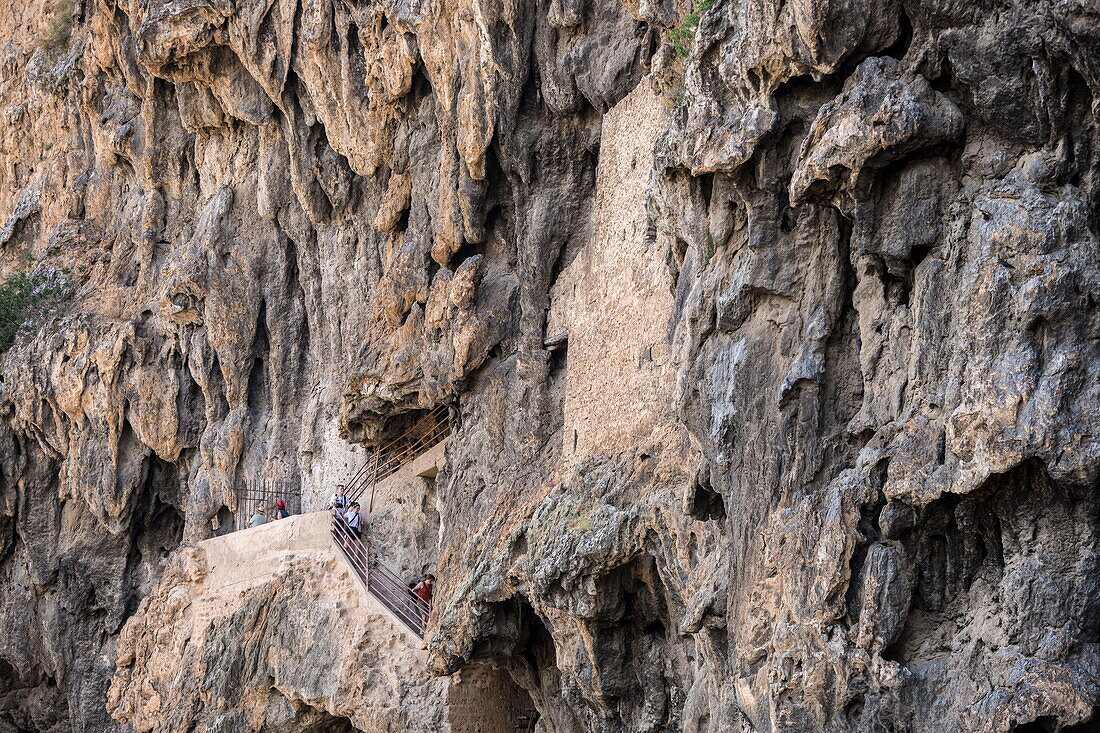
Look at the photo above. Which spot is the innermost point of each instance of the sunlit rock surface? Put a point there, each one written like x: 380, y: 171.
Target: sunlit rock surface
x: 269, y: 630
x: 769, y: 333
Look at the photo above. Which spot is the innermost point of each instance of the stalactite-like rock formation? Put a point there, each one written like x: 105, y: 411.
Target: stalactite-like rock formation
x: 770, y: 332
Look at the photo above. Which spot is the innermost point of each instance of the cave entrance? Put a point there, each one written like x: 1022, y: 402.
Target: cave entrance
x: 222, y: 522
x: 1050, y: 724
x: 411, y: 444
x: 320, y: 722
x: 482, y: 698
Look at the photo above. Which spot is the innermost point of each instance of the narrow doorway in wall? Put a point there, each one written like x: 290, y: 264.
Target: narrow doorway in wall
x: 559, y: 361
x: 557, y: 373
x: 482, y: 698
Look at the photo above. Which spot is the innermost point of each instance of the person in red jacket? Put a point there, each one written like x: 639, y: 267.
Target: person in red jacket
x: 424, y: 593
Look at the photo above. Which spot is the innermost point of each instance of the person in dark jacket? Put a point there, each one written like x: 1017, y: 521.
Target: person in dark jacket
x: 280, y: 510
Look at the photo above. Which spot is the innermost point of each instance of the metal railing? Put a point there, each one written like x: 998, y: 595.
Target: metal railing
x: 382, y: 462
x: 250, y: 498
x: 385, y: 460
x: 380, y: 581
x: 523, y: 721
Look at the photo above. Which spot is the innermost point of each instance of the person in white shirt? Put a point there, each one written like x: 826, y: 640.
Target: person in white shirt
x: 339, y: 500
x: 354, y: 520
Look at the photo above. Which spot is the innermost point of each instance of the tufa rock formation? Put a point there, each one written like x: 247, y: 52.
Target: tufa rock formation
x: 769, y: 333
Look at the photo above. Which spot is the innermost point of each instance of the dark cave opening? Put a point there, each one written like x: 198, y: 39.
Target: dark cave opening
x: 918, y: 253
x: 421, y: 87
x: 9, y: 677
x: 1081, y: 137
x: 535, y: 645
x: 557, y: 371
x: 466, y: 251
x: 632, y: 645
x: 1042, y: 724
x: 512, y: 677
x: 257, y: 375
x: 324, y: 723
x: 706, y: 188
x: 223, y: 522
x: 402, y: 225
x: 951, y: 548
x: 157, y: 530
x: 900, y: 47
x: 399, y: 424
x: 354, y: 44
x: 1050, y: 724
x: 559, y: 357
x: 294, y: 286
x: 494, y: 221
x: 705, y: 503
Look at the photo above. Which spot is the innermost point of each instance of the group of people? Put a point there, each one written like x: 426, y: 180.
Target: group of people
x: 260, y: 516
x: 348, y: 510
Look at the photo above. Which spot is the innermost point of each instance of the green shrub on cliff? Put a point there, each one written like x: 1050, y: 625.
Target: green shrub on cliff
x: 21, y: 298
x: 60, y: 29
x: 683, y: 34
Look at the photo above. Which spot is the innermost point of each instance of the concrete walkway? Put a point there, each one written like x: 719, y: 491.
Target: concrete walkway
x: 250, y: 558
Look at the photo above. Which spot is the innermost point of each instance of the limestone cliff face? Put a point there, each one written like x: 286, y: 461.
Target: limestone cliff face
x: 269, y: 630
x: 770, y: 332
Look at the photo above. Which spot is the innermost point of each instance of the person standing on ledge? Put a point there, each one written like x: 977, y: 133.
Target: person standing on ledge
x: 260, y: 517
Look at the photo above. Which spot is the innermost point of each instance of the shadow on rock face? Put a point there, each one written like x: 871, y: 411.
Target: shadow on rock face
x: 1008, y: 573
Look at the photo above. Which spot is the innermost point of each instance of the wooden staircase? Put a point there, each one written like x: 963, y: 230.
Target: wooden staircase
x: 379, y: 580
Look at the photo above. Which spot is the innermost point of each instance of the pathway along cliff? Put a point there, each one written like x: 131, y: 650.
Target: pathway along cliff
x: 768, y: 335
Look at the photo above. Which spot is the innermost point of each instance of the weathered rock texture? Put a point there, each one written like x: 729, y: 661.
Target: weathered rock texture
x: 269, y: 630
x: 821, y: 448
